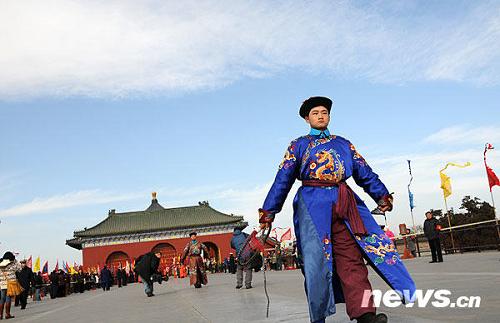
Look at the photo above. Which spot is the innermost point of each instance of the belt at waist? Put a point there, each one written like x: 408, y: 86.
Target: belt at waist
x: 346, y: 207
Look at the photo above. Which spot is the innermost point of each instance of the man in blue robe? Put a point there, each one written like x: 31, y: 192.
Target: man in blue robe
x: 334, y: 228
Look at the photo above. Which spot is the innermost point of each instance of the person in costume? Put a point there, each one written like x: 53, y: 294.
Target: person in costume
x: 334, y: 228
x: 197, y: 274
x: 237, y: 242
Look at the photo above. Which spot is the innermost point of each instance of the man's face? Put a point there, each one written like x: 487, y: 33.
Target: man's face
x: 318, y: 118
x: 158, y: 255
x: 193, y: 237
x: 428, y: 215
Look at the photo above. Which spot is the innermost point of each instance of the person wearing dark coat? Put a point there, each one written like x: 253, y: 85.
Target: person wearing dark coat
x: 25, y: 278
x: 431, y: 231
x: 237, y: 243
x: 119, y: 277
x: 232, y: 264
x: 38, y: 283
x: 61, y: 289
x: 80, y: 281
x: 124, y: 277
x: 131, y: 277
x: 54, y: 284
x: 106, y: 278
x: 145, y: 267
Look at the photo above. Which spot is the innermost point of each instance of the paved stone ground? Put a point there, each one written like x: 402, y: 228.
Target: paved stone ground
x: 475, y: 274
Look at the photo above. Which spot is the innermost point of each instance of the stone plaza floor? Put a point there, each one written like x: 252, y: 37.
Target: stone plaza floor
x: 472, y: 274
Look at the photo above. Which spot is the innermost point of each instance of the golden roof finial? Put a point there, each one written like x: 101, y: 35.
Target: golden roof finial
x: 153, y: 195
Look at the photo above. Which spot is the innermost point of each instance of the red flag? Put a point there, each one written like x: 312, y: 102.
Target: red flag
x: 57, y: 266
x: 287, y: 235
x: 29, y: 262
x: 492, y: 177
x: 45, y: 269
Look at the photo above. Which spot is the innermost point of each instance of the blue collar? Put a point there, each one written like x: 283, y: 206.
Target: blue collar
x: 321, y: 133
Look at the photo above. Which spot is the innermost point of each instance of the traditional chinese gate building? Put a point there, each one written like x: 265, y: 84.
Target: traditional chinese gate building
x: 123, y: 237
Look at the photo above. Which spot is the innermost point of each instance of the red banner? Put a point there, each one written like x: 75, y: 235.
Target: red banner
x: 492, y: 177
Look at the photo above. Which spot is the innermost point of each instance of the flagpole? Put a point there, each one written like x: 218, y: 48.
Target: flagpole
x: 446, y: 186
x: 409, y: 192
x: 449, y: 225
x: 491, y: 189
x: 495, y: 213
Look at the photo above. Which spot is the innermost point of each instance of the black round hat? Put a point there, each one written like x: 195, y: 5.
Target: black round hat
x: 193, y: 233
x: 312, y: 102
x: 9, y: 255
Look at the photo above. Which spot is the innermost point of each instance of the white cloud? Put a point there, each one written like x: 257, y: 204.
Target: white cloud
x: 477, y: 56
x: 126, y: 48
x: 62, y: 201
x: 462, y: 135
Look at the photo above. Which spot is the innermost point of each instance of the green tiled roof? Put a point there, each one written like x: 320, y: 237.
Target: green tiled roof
x: 158, y: 220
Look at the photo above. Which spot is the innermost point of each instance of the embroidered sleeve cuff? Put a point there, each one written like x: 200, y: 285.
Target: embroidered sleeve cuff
x: 386, y: 200
x: 265, y: 216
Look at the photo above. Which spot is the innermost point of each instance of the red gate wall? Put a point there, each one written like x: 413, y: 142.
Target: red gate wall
x: 96, y: 256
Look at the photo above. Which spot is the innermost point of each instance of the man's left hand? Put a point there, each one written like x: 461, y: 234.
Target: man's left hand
x: 384, y: 208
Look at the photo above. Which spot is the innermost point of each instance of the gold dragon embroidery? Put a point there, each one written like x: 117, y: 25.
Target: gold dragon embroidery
x: 289, y: 157
x: 327, y: 171
x: 381, y: 250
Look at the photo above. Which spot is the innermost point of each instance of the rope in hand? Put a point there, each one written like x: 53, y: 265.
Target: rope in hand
x: 265, y: 290
x: 265, y: 278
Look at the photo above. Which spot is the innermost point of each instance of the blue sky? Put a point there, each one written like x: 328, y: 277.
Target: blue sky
x: 201, y: 105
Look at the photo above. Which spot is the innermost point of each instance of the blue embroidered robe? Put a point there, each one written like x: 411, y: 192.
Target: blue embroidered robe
x: 334, y: 159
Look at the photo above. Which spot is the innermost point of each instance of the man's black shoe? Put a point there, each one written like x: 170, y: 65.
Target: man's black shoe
x: 150, y: 294
x: 248, y: 287
x: 366, y: 318
x: 238, y: 286
x: 372, y: 318
x: 432, y: 262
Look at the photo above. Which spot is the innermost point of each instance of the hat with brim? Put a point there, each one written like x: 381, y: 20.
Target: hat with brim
x: 193, y: 234
x: 9, y: 255
x: 312, y: 102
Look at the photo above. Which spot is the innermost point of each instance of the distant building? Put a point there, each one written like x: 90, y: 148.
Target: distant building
x: 123, y: 237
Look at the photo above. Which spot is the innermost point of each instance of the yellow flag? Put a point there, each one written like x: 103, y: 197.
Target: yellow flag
x: 446, y: 180
x: 36, y: 268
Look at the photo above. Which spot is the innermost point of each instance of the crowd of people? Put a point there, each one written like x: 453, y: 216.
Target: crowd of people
x: 18, y: 283
x: 60, y: 283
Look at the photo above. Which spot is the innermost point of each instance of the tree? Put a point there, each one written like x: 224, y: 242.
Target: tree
x: 473, y: 211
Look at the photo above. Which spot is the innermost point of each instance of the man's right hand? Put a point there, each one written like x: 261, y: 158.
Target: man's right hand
x: 265, y: 217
